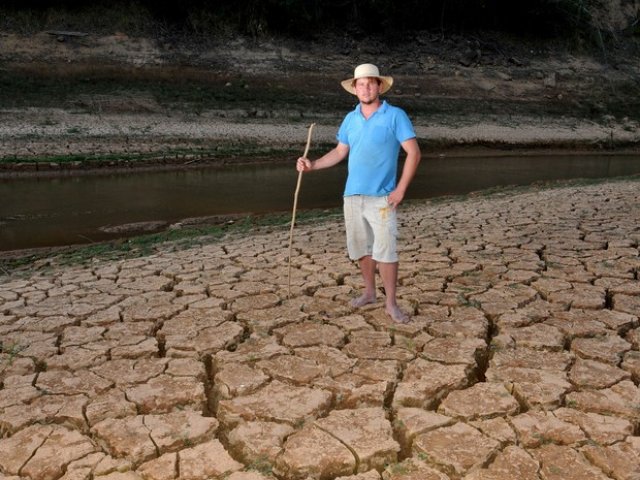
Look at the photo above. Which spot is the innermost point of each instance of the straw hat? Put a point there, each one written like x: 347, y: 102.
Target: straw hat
x: 363, y: 71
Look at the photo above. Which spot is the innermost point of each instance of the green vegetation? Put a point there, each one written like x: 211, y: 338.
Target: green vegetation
x: 218, y: 154
x: 102, y: 17
x: 144, y: 245
x: 9, y: 353
x: 261, y: 465
x: 304, y: 18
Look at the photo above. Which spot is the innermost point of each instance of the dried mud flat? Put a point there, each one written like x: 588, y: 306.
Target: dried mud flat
x: 522, y: 360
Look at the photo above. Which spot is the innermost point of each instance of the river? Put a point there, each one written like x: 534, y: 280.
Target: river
x: 65, y: 210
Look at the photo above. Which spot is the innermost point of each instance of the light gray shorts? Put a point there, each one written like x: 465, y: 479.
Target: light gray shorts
x: 372, y: 228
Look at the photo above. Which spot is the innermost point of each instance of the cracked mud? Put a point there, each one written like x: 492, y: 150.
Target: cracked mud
x: 522, y: 360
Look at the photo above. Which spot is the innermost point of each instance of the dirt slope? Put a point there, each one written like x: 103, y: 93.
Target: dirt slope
x: 470, y: 90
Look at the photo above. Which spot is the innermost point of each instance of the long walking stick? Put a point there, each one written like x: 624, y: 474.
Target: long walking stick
x: 295, y: 205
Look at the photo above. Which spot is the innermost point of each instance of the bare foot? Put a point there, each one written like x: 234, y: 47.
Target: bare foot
x: 363, y: 300
x: 398, y: 315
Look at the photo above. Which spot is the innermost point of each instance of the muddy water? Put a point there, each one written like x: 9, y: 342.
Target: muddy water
x: 69, y: 210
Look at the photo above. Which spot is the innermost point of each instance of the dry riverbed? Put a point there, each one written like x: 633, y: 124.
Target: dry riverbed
x: 522, y: 359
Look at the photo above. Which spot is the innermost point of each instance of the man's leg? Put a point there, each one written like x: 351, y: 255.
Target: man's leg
x: 368, y: 270
x: 389, y: 274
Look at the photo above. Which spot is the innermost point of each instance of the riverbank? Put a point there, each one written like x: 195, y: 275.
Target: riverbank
x: 105, y: 104
x: 103, y: 101
x: 118, y: 142
x: 148, y: 238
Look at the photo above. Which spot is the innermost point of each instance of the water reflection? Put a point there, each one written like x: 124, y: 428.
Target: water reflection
x: 60, y: 211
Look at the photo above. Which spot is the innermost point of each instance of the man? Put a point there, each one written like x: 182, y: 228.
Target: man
x: 371, y: 136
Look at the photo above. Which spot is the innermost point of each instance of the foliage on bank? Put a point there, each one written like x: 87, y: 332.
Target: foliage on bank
x: 314, y: 18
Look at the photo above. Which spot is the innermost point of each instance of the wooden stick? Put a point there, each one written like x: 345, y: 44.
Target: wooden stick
x: 295, y: 205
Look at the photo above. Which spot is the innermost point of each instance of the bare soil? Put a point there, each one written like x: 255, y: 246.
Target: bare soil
x: 119, y: 100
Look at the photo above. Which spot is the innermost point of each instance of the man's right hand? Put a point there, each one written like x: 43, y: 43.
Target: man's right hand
x: 303, y: 164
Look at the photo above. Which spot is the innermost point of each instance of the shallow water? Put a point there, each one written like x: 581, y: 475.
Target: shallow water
x: 40, y: 212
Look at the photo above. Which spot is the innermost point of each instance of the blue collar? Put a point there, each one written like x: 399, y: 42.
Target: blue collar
x: 381, y: 109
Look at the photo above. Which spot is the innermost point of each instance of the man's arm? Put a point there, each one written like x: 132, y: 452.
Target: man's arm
x: 412, y: 149
x: 329, y: 159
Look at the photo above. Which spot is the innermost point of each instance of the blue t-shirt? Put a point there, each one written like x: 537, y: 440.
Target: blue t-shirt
x: 374, y: 145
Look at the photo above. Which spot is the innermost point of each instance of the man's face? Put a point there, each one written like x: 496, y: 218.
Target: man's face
x: 367, y: 89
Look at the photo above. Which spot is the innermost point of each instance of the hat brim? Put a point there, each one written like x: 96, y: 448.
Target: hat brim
x: 385, y: 84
